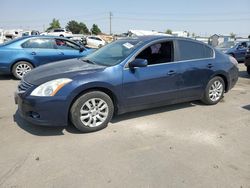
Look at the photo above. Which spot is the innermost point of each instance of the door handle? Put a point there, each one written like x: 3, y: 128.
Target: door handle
x: 33, y: 53
x: 209, y: 66
x: 171, y: 72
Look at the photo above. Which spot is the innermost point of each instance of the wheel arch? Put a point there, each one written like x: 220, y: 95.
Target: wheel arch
x: 225, y: 79
x: 16, y: 61
x: 105, y: 90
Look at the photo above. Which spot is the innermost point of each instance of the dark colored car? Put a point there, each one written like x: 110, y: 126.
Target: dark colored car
x: 19, y: 56
x: 247, y: 60
x: 125, y: 75
x: 239, y: 51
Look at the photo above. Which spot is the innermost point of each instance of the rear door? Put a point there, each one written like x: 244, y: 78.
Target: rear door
x: 41, y: 50
x: 196, y: 61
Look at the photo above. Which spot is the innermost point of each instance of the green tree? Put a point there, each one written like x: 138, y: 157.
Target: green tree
x: 95, y: 30
x: 54, y: 24
x: 232, y: 35
x: 77, y: 28
x: 169, y: 31
x: 83, y: 28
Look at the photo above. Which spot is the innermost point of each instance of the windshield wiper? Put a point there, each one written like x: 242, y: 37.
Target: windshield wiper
x: 88, y: 61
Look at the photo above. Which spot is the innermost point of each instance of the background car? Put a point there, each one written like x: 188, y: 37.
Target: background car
x: 224, y: 46
x: 125, y: 75
x: 20, y: 55
x: 60, y: 32
x: 247, y: 60
x: 238, y: 51
x: 95, y: 41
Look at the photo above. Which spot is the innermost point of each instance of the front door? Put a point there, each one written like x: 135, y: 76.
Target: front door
x: 154, y: 84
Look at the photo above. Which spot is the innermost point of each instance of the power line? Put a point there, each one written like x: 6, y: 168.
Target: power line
x: 182, y: 20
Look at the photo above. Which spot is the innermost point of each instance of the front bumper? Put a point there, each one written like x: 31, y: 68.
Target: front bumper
x: 43, y: 111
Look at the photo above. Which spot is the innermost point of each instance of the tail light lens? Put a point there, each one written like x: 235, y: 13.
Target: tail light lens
x: 233, y: 60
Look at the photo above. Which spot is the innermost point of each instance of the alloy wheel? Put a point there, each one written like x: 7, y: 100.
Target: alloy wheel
x: 22, y: 69
x: 216, y: 91
x: 94, y: 112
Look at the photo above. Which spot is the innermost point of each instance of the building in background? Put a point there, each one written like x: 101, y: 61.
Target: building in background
x: 180, y: 33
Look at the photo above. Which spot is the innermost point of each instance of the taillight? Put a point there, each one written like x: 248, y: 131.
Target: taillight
x: 233, y: 60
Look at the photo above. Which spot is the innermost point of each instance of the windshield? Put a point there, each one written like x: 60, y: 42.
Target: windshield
x: 229, y: 44
x: 113, y: 53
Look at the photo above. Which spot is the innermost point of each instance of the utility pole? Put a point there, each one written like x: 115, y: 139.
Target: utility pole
x: 110, y: 23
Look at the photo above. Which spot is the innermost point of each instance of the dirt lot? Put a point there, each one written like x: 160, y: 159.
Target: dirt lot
x: 184, y: 145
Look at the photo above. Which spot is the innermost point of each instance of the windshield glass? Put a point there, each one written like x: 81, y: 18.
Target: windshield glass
x: 229, y: 44
x: 113, y: 53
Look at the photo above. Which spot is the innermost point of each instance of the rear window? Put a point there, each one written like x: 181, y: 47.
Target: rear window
x: 189, y: 50
x: 39, y: 43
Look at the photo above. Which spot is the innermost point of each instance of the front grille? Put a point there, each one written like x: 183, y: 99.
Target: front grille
x: 24, y: 86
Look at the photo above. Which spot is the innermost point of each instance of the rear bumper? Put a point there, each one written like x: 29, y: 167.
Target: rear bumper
x: 43, y: 111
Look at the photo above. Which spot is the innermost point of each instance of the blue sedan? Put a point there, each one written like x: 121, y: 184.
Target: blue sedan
x: 126, y: 75
x: 21, y: 55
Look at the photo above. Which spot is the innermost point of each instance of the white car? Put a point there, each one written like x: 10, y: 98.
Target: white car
x: 60, y: 32
x: 95, y: 41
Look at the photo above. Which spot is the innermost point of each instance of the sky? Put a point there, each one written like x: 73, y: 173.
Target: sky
x: 201, y: 17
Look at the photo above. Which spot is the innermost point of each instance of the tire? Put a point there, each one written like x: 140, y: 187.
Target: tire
x: 21, y: 68
x: 61, y: 36
x: 248, y: 70
x: 88, y: 119
x: 214, y: 91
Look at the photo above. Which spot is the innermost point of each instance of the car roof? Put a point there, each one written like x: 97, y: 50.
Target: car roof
x: 149, y: 38
x: 42, y: 36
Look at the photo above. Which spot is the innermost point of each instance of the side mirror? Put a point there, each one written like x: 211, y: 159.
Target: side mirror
x: 138, y: 63
x: 81, y: 49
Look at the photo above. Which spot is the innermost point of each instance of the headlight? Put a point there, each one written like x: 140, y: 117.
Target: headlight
x: 50, y: 88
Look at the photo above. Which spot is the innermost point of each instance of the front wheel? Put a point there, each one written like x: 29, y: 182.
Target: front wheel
x: 21, y: 68
x: 92, y: 111
x: 248, y: 69
x: 214, y: 91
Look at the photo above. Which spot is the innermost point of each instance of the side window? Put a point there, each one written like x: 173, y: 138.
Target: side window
x: 58, y: 30
x: 244, y: 44
x: 66, y: 45
x: 191, y: 50
x: 98, y: 39
x: 39, y: 43
x: 158, y: 53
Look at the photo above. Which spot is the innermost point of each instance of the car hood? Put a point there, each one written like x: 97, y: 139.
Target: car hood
x: 60, y: 69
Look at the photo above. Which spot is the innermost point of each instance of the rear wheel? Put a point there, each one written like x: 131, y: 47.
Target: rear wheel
x: 248, y: 70
x: 21, y: 68
x: 92, y: 111
x: 214, y: 91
